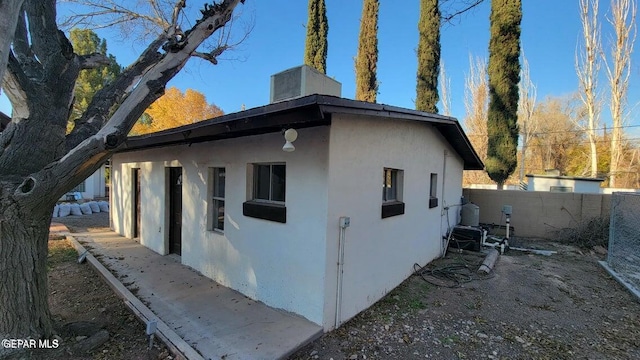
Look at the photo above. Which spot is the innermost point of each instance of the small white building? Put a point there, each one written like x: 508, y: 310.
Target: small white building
x: 556, y: 183
x: 323, y: 231
x: 90, y: 188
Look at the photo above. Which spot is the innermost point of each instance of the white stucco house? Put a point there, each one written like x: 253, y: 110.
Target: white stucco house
x: 323, y: 231
x: 90, y: 188
x: 557, y: 183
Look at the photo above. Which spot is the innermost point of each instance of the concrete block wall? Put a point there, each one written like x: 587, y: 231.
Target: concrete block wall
x: 536, y: 213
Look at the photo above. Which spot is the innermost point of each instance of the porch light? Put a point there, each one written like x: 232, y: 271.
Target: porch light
x: 290, y: 136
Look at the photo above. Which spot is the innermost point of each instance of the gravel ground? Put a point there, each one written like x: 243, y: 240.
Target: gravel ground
x: 563, y: 306
x: 83, y: 223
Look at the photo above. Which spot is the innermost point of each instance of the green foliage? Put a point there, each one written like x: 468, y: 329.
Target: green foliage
x: 428, y: 56
x: 504, y: 76
x: 367, y: 59
x: 315, y: 52
x: 87, y: 42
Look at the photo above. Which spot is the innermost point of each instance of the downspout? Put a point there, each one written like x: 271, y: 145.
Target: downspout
x: 344, y: 224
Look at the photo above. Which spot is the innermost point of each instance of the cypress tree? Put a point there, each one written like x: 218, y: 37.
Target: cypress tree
x: 367, y: 59
x: 428, y: 56
x: 315, y: 52
x: 504, y: 76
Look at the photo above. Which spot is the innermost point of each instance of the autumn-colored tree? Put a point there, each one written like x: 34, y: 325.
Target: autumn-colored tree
x: 557, y: 141
x: 367, y: 58
x: 174, y: 109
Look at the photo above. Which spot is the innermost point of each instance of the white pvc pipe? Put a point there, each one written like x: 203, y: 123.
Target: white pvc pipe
x: 341, y: 240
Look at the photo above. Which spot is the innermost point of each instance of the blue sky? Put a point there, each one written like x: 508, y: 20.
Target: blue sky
x: 550, y: 31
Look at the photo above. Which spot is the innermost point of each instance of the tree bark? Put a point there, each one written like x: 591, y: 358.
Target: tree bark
x: 24, y: 231
x: 9, y: 10
x: 38, y: 163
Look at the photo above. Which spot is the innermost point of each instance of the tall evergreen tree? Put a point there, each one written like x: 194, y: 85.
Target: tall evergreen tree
x: 504, y: 76
x: 315, y: 52
x: 428, y: 56
x: 367, y: 59
x: 89, y: 81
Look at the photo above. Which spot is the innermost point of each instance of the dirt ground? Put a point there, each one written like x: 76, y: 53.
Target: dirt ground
x: 77, y: 293
x: 563, y: 306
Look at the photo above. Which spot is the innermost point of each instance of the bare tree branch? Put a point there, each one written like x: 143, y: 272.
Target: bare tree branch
x: 623, y: 14
x: 526, y: 108
x: 450, y: 12
x: 587, y: 68
x: 10, y: 11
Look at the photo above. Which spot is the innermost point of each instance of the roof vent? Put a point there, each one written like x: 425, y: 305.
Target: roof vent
x: 302, y: 81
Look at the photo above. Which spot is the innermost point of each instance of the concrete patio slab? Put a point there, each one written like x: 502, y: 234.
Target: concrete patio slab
x: 218, y: 322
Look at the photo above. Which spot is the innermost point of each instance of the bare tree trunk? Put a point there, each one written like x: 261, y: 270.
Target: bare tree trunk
x: 445, y: 86
x: 587, y: 67
x: 623, y: 14
x: 24, y: 230
x: 39, y: 163
x: 476, y: 102
x: 9, y: 10
x: 526, y: 107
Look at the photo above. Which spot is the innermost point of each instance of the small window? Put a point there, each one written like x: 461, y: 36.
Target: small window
x: 266, y: 192
x: 79, y: 188
x: 217, y: 177
x: 269, y: 182
x: 433, y: 191
x: 561, y: 189
x: 392, y: 204
x: 390, y: 185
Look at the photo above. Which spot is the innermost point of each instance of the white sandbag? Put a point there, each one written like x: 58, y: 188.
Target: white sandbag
x: 75, y: 209
x: 95, y: 208
x: 104, y: 206
x: 86, y: 209
x: 65, y: 210
x: 56, y: 210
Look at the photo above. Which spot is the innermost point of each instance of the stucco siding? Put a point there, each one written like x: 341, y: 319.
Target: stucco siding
x: 380, y: 253
x: 282, y: 265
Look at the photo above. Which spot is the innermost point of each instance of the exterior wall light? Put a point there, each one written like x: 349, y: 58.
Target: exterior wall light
x: 290, y: 136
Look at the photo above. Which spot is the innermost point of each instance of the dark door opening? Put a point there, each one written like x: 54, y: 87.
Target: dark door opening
x: 136, y: 201
x: 175, y: 210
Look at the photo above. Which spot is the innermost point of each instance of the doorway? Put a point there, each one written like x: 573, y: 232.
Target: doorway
x: 175, y: 210
x: 135, y: 177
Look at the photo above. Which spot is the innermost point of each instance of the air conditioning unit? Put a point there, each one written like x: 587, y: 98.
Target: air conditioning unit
x: 302, y: 81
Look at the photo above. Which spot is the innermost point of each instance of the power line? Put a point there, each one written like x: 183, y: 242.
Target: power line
x: 572, y: 131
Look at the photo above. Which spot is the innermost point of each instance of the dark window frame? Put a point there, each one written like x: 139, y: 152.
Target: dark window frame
x: 271, y: 207
x: 217, y: 198
x: 392, y: 187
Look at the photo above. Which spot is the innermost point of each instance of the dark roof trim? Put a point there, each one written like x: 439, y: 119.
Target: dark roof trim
x: 308, y: 111
x: 565, y: 177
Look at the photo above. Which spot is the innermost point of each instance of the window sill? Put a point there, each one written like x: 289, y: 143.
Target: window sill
x: 265, y: 211
x: 394, y: 208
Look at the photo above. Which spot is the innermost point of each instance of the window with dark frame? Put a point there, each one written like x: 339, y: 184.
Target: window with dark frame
x: 80, y: 187
x: 392, y: 204
x: 390, y: 185
x: 218, y: 179
x: 269, y: 182
x: 433, y: 191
